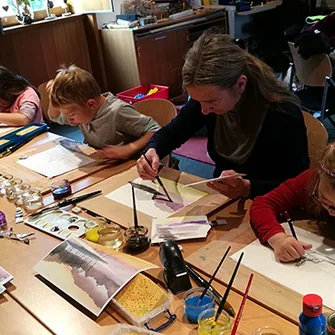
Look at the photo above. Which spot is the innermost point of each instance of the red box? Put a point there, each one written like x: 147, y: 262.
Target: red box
x: 129, y: 95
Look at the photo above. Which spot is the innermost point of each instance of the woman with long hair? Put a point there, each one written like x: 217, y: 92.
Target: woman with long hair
x: 254, y: 124
x: 19, y: 101
x: 313, y: 190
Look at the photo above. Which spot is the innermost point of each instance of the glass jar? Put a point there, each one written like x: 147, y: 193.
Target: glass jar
x: 61, y: 188
x: 193, y: 306
x: 206, y: 320
x: 110, y: 236
x: 10, y: 186
x: 266, y: 330
x: 331, y: 324
x: 137, y: 239
x: 4, y: 178
x: 92, y: 227
x: 32, y: 199
x: 18, y: 190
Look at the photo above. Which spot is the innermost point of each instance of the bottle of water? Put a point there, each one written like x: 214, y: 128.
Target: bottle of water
x: 311, y: 320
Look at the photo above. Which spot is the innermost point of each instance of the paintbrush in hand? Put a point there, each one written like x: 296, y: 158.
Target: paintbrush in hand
x: 225, y: 296
x: 240, y: 311
x: 158, y: 179
x: 214, y: 274
x: 290, y: 223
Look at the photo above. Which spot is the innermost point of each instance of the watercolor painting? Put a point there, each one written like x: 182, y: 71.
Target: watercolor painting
x: 151, y: 199
x: 5, y: 276
x: 90, y: 276
x: 318, y: 266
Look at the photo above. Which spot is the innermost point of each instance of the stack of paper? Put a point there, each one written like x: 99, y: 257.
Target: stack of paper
x: 5, y: 277
x: 179, y: 228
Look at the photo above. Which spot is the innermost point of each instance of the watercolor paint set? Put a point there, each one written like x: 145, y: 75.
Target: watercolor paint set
x: 61, y: 224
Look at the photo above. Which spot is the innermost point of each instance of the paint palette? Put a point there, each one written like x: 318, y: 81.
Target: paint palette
x: 61, y: 224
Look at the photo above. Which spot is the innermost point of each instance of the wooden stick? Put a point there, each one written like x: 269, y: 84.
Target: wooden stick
x: 213, y: 276
x: 240, y: 311
x: 216, y: 179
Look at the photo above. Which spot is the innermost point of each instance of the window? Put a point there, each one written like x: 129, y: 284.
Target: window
x: 35, y: 5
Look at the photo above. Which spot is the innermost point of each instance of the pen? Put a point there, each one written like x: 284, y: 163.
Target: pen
x: 158, y: 179
x: 290, y: 223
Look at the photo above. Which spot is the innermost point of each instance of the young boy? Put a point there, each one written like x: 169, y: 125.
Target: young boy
x: 107, y: 123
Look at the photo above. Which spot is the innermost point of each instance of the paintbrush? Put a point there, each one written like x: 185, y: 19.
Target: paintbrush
x: 157, y: 177
x: 214, y: 274
x: 290, y: 223
x: 215, y: 179
x: 134, y: 209
x: 225, y: 296
x: 240, y: 311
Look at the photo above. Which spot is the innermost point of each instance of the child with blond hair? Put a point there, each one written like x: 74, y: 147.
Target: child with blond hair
x: 312, y: 190
x: 107, y: 123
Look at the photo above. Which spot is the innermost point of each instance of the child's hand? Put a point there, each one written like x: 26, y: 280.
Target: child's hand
x: 116, y: 152
x: 234, y: 187
x: 287, y: 248
x: 144, y: 169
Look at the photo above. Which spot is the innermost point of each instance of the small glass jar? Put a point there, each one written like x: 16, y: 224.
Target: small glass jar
x: 193, y: 306
x: 331, y: 324
x: 4, y: 178
x: 266, y: 330
x: 10, y: 187
x: 92, y: 227
x: 61, y: 188
x: 32, y: 200
x: 18, y: 191
x: 110, y: 236
x: 206, y: 326
x: 137, y: 240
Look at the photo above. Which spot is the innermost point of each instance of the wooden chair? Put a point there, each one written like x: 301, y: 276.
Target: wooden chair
x: 317, y: 137
x: 316, y: 74
x: 44, y: 101
x: 162, y: 111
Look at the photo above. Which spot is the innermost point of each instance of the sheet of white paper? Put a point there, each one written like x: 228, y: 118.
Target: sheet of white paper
x: 157, y: 207
x: 4, y: 129
x: 179, y: 228
x: 55, y: 161
x: 2, y: 289
x: 318, y: 278
x: 5, y: 276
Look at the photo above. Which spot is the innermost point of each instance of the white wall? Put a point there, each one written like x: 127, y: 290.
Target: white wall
x: 109, y: 17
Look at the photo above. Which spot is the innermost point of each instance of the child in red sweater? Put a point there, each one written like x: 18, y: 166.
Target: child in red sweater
x: 312, y: 190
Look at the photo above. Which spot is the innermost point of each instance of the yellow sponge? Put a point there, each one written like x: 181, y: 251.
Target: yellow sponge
x: 141, y: 296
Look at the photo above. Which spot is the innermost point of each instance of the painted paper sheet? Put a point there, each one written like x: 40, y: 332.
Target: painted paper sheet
x: 156, y: 205
x: 5, y: 276
x: 55, y: 161
x: 89, y: 275
x: 315, y: 275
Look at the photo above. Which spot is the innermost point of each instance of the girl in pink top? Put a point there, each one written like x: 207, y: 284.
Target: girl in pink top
x: 19, y: 102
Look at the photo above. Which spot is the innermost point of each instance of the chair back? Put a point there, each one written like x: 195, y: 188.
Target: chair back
x: 162, y: 111
x: 311, y: 72
x: 44, y: 101
x: 317, y: 137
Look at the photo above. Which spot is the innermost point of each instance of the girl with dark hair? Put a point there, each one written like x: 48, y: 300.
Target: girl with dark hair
x: 19, y: 101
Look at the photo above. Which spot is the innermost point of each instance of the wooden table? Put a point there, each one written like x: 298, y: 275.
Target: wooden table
x: 14, y: 319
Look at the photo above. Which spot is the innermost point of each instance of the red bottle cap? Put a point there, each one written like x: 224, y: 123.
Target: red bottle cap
x: 312, y: 305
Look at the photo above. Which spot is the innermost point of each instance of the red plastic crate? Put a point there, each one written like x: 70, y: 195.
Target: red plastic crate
x: 129, y: 95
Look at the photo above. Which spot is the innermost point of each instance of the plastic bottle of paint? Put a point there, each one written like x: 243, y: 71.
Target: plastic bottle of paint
x: 311, y: 320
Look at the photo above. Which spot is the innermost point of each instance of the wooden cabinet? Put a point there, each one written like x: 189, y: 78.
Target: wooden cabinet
x: 153, y: 55
x: 38, y: 50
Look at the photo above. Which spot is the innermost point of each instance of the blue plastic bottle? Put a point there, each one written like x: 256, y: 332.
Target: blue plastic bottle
x: 311, y: 320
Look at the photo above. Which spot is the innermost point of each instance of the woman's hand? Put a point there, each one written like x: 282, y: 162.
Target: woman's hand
x: 144, y: 169
x: 287, y: 248
x: 233, y: 187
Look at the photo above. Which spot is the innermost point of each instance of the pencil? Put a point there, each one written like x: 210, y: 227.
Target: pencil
x: 240, y: 311
x: 290, y: 223
x: 158, y: 179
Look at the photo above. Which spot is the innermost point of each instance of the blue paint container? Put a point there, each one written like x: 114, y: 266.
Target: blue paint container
x: 193, y: 307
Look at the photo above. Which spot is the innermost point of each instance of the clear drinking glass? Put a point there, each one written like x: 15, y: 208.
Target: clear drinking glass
x: 32, y: 199
x: 267, y: 330
x: 92, y: 227
x: 3, y: 181
x: 18, y: 191
x: 110, y: 236
x: 207, y: 325
x: 10, y: 186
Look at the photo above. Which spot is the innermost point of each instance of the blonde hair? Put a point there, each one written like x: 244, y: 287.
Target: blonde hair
x: 73, y: 85
x: 216, y: 60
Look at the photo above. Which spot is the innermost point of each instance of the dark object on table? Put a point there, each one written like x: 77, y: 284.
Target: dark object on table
x: 175, y: 273
x: 1, y: 28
